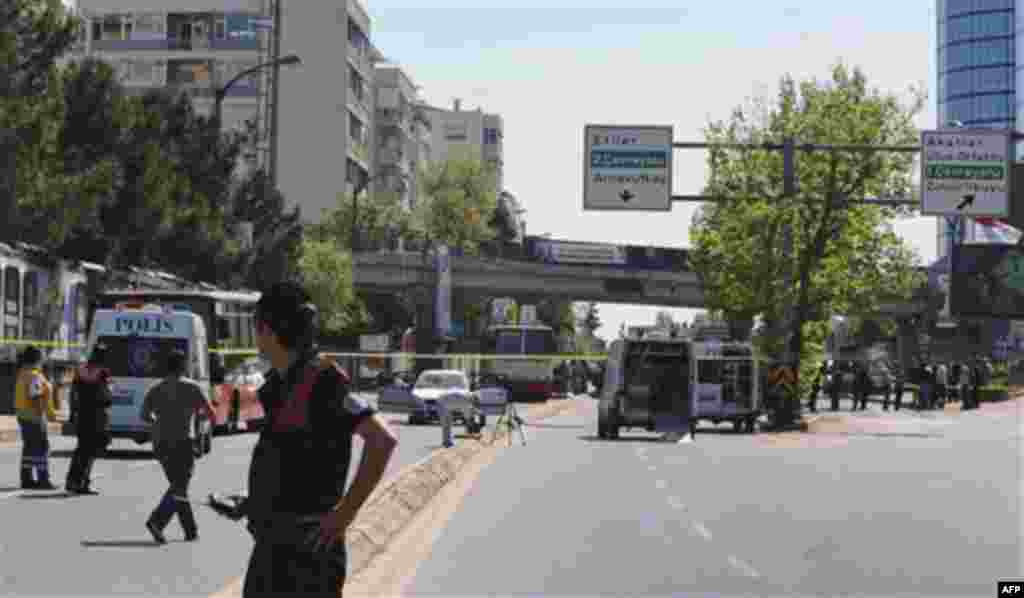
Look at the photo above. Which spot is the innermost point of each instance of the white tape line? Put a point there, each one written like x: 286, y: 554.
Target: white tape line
x: 743, y: 567
x: 676, y: 504
x: 703, y: 531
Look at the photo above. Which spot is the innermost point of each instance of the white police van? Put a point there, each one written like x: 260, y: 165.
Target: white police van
x: 139, y: 338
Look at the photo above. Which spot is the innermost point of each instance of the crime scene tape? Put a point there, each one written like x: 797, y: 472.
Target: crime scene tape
x: 47, y: 344
x: 550, y: 357
x: 254, y: 352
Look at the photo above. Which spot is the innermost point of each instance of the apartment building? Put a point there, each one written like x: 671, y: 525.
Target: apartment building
x: 325, y: 104
x: 403, y: 142
x: 474, y: 134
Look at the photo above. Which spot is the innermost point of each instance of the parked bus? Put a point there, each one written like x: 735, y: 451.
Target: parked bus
x: 528, y: 379
x: 228, y: 315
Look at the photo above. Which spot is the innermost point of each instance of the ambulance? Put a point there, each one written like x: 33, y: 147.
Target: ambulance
x: 139, y: 339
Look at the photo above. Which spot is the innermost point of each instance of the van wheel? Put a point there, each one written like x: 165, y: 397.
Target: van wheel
x: 613, y: 425
x: 235, y: 415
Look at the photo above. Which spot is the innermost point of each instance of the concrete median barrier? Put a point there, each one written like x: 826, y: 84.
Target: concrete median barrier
x: 399, y: 500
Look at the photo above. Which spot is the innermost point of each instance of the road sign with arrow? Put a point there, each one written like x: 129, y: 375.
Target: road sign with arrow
x: 627, y: 168
x: 966, y: 172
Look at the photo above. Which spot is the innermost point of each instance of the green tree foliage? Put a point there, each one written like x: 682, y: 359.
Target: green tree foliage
x: 35, y: 182
x: 457, y: 199
x: 846, y: 258
x: 276, y: 231
x: 379, y: 217
x: 327, y: 275
x: 590, y: 319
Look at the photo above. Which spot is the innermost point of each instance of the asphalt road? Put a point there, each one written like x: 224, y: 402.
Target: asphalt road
x: 53, y: 544
x: 906, y: 505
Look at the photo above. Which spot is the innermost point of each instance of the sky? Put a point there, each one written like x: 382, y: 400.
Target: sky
x: 549, y: 68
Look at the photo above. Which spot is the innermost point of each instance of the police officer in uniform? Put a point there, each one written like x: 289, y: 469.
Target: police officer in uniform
x: 91, y: 388
x: 297, y: 506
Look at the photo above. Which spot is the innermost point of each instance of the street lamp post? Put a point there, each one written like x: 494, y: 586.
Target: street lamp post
x: 219, y: 95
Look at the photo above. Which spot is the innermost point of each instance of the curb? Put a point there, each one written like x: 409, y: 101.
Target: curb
x: 394, y: 505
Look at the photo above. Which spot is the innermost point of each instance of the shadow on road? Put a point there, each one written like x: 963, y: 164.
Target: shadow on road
x: 111, y: 454
x: 120, y: 544
x: 593, y: 438
x: 46, y: 496
x: 557, y: 426
x: 9, y: 488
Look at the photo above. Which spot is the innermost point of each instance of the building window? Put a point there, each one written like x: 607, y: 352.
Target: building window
x: 491, y: 136
x: 356, y: 129
x: 111, y: 28
x: 148, y: 27
x: 356, y: 84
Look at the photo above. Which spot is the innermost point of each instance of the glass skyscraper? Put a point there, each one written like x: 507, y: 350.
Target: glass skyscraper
x: 976, y: 61
x: 980, y: 66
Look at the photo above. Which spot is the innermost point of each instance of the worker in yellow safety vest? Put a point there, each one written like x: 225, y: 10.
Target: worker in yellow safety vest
x: 32, y: 402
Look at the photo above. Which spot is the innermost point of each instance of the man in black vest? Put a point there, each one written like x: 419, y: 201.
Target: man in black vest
x: 91, y: 389
x: 297, y: 506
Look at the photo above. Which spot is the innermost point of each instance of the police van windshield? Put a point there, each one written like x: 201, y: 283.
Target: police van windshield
x: 140, y: 357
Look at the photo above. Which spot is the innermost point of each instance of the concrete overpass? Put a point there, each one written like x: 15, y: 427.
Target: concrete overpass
x: 525, y: 280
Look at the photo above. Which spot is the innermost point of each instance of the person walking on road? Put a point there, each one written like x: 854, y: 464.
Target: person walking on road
x: 93, y: 398
x: 170, y: 407
x: 32, y: 396
x: 862, y: 386
x: 941, y: 385
x: 297, y: 508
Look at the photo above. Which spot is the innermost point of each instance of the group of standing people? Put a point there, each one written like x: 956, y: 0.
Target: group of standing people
x: 298, y: 509
x: 37, y: 404
x: 942, y: 382
x: 938, y: 383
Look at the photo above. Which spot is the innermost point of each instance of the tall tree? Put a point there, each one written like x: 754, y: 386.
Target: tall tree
x: 844, y: 258
x: 277, y: 232
x: 327, y: 274
x: 590, y: 319
x: 458, y: 198
x: 379, y: 216
x: 34, y: 181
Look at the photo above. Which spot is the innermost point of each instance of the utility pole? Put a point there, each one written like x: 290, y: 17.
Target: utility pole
x: 275, y: 91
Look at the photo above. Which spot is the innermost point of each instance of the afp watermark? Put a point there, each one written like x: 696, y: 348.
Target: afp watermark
x: 1010, y: 588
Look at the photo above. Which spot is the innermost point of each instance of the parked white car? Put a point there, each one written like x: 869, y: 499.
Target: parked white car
x: 432, y: 389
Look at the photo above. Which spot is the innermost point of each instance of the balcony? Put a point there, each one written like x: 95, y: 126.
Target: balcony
x: 390, y: 156
x: 360, y: 58
x: 192, y: 44
x: 360, y: 149
x: 394, y: 119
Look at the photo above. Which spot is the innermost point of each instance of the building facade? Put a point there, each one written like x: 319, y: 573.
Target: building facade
x: 976, y: 62
x: 472, y: 134
x: 326, y: 105
x: 980, y: 66
x: 403, y: 135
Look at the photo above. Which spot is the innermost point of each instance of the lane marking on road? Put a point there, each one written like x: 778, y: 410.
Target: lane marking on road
x: 703, y: 531
x: 675, y: 503
x: 652, y: 468
x: 661, y: 484
x: 743, y: 567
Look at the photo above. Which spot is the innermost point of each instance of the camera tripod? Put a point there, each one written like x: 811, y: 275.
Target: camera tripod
x: 511, y: 421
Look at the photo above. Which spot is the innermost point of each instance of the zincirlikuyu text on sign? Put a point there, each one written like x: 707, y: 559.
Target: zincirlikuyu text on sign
x: 962, y: 164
